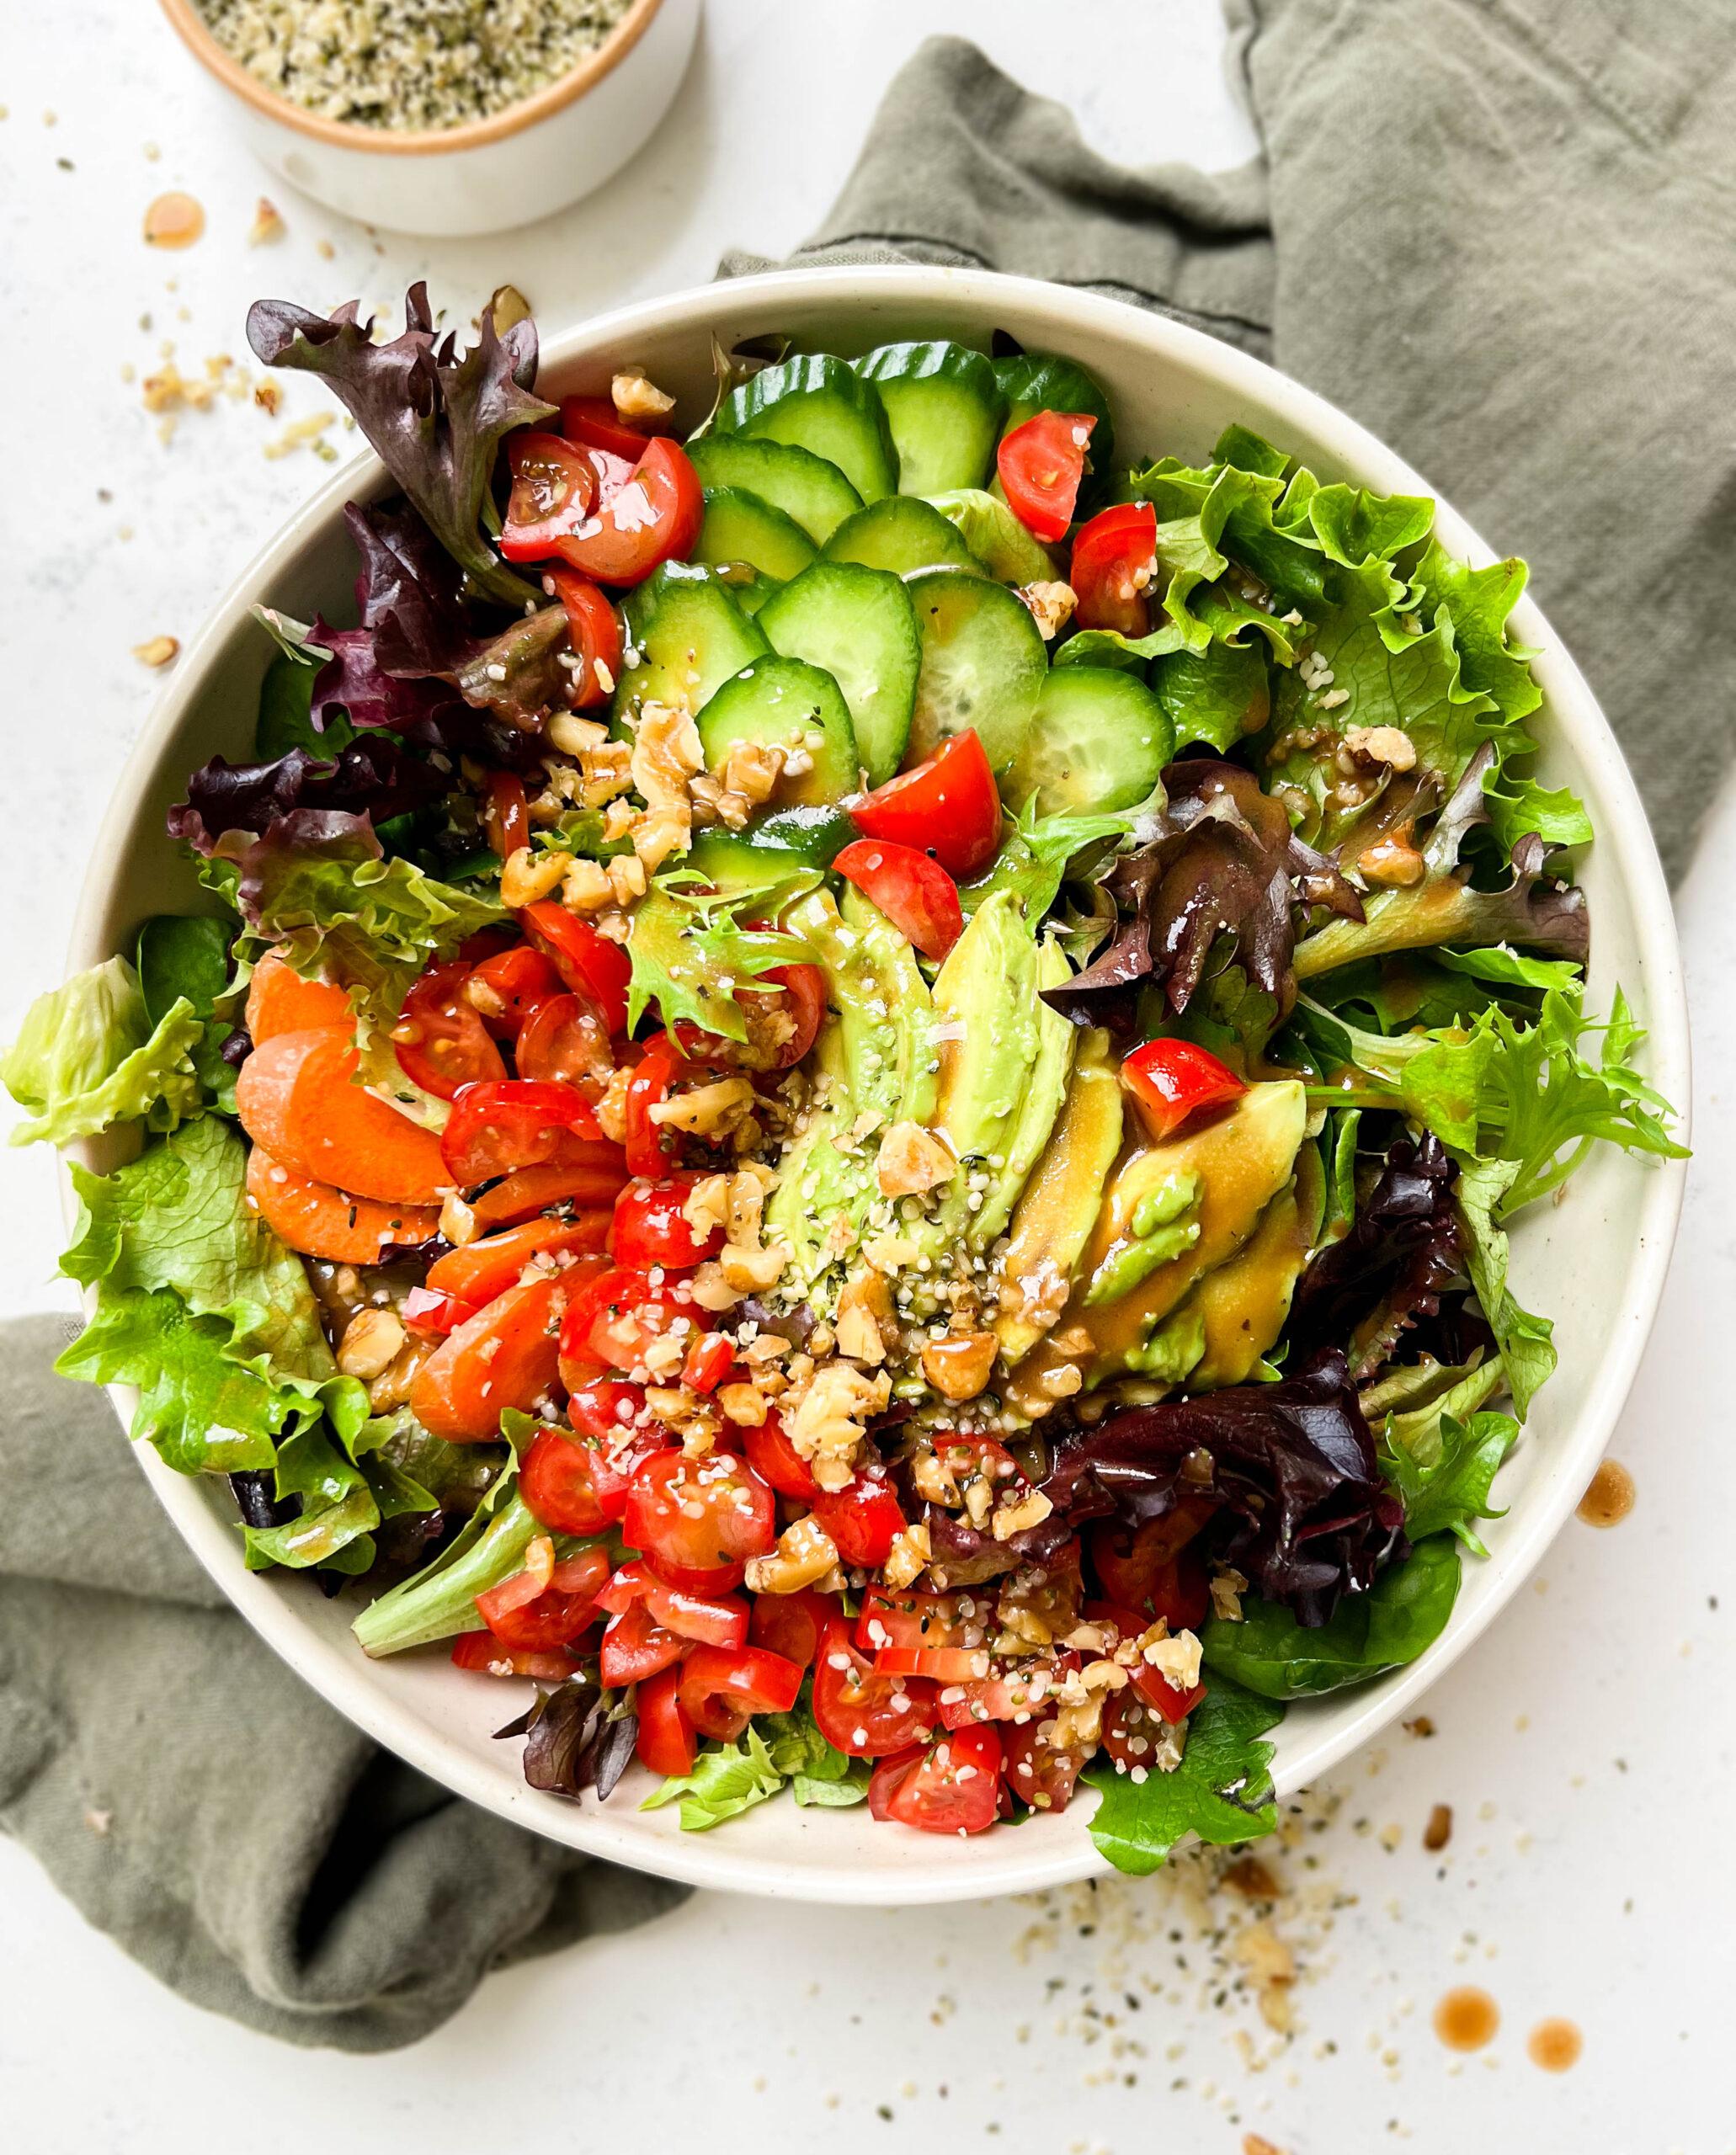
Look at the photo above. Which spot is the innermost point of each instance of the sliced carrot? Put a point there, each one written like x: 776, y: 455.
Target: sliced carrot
x: 280, y: 1001
x: 482, y: 1269
x: 322, y: 1221
x: 517, y: 1196
x: 506, y: 1355
x: 295, y: 1098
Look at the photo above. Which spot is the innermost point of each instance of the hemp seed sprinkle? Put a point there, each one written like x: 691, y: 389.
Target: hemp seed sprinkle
x: 410, y: 65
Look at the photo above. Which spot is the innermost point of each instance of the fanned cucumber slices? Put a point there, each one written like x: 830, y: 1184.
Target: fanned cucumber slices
x: 806, y: 486
x: 859, y: 625
x: 786, y: 703
x: 902, y: 534
x: 740, y: 527
x: 1099, y: 739
x: 983, y: 664
x: 945, y: 408
x: 820, y: 404
x: 691, y: 637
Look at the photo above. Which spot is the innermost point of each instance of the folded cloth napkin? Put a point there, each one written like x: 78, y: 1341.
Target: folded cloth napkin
x: 1499, y: 232
x: 196, y: 1800
x: 1496, y: 233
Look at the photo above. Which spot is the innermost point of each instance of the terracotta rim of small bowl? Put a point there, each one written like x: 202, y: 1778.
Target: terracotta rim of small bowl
x: 381, y: 142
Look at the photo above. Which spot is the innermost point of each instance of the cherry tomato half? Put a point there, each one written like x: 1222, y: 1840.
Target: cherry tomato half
x: 781, y: 1027
x: 506, y: 989
x: 1035, y: 1771
x: 554, y: 486
x: 654, y: 517
x: 864, y: 1521
x: 916, y: 894
x: 1113, y: 561
x: 666, y: 1742
x: 483, y: 1651
x: 497, y: 1128
x: 634, y: 1647
x: 612, y: 1322
x: 651, y: 1226
x: 588, y: 961
x: 862, y: 1712
x: 506, y: 814
x: 949, y: 806
x: 594, y: 422
x: 564, y: 1040
x: 954, y: 1787
x: 722, y: 1688
x: 535, y: 1614
x: 1041, y: 464
x: 792, y: 1625
x: 441, y: 1043
x: 697, y: 1521
x: 593, y: 630
x: 715, y: 1621
x: 559, y: 1487
x: 774, y: 1459
x: 1171, y: 1080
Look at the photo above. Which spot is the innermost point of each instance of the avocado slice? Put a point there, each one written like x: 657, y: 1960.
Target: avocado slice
x: 1241, y: 1160
x: 1243, y: 1305
x: 985, y: 1012
x: 1062, y: 1199
x: 1045, y: 1091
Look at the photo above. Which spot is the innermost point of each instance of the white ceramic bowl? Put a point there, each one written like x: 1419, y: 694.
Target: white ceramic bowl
x: 1596, y: 1264
x: 527, y: 161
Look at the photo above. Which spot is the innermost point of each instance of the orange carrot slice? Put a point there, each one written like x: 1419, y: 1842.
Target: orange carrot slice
x: 280, y: 1001
x: 506, y: 1355
x: 321, y: 1221
x: 482, y: 1269
x: 295, y: 1098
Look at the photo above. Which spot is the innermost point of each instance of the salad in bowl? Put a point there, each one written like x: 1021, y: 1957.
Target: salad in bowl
x: 849, y: 1100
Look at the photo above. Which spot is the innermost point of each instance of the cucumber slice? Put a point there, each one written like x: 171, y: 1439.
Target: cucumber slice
x: 740, y: 527
x: 787, y: 842
x: 691, y: 637
x: 945, y: 408
x: 983, y: 664
x: 818, y: 404
x: 1040, y: 381
x: 796, y: 705
x: 902, y: 534
x: 1099, y: 739
x: 858, y: 624
x: 804, y: 486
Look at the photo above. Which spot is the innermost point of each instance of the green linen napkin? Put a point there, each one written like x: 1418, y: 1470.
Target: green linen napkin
x: 195, y: 1800
x: 1499, y: 232
x: 1496, y: 233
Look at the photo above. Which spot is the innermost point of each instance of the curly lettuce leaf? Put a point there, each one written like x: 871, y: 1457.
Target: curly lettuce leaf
x: 692, y: 957
x: 1400, y: 1616
x: 1443, y: 1467
x: 435, y: 417
x: 88, y: 1055
x: 1221, y: 1791
x: 1215, y: 696
x: 1037, y: 853
x: 995, y: 535
x: 772, y: 1750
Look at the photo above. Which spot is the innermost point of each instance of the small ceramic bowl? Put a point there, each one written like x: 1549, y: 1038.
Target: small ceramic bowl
x: 489, y: 174
x: 1595, y: 1264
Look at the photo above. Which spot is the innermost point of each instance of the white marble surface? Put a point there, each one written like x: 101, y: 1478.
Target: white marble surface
x: 1582, y: 1744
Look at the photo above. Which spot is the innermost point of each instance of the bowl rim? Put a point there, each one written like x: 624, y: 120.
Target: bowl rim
x: 346, y: 1679
x: 196, y: 34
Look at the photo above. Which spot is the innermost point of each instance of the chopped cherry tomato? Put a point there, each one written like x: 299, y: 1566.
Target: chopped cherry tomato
x: 864, y: 1521
x: 434, y: 1315
x: 487, y: 943
x: 1164, y: 1698
x: 1041, y: 464
x: 1013, y: 1690
x: 648, y: 1143
x: 1132, y: 1731
x: 781, y: 1027
x: 565, y: 1041
x: 696, y: 1521
x: 774, y: 1459
x: 593, y: 630
x: 949, y: 807
x: 506, y: 1355
x: 1171, y: 1080
x: 709, y: 1361
x: 634, y: 1647
x: 554, y: 486
x: 861, y: 1711
x: 506, y: 815
x: 613, y: 1320
x: 947, y: 1665
x: 482, y: 1269
x: 903, y: 1618
x: 295, y: 1097
x: 559, y: 1487
x: 792, y: 1624
x: 916, y: 894
x: 1153, y: 1568
x: 654, y: 517
x: 594, y: 422
x: 322, y: 1221
x: 440, y: 1040
x: 889, y: 1775
x: 537, y: 1613
x: 1035, y: 1770
x: 719, y: 1621
x: 588, y: 961
x: 1114, y: 558
x: 585, y: 1184
x: 651, y: 1226
x: 516, y: 1122
x: 483, y: 1652
x: 280, y: 1001
x: 954, y: 1787
x: 608, y: 1407
x: 507, y: 988
x: 665, y: 1735
x: 722, y: 1688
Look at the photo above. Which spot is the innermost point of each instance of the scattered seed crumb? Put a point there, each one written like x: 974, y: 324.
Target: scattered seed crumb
x: 160, y: 650
x: 1391, y: 1838
x: 324, y: 249
x: 268, y: 225
x: 152, y: 153
x: 1438, y: 1831
x: 298, y: 434
x: 50, y: 119
x: 1420, y: 1725
x: 99, y: 1822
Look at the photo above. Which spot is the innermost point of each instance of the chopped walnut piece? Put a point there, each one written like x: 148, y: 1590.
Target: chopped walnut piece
x: 805, y: 1553
x: 458, y: 1223
x: 666, y: 754
x: 864, y: 1318
x: 707, y: 1110
x: 1392, y: 862
x: 612, y: 1107
x: 908, y: 1556
x: 707, y: 1206
x: 751, y: 769
x: 912, y: 1160
x: 710, y: 1290
x: 958, y: 1366
x: 530, y: 876
x: 1176, y: 1660
x: 1366, y: 746
x: 159, y: 651
x: 744, y: 1404
x: 1050, y: 605
x: 268, y: 225
x: 585, y: 887
x: 638, y: 401
x: 829, y: 1424
x: 1018, y: 1514
x: 371, y: 1343
x: 1228, y: 1588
